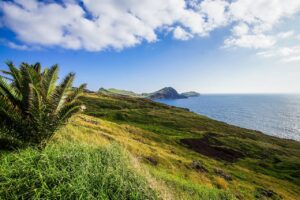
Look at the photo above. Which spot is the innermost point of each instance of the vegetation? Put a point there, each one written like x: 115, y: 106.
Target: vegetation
x: 113, y: 91
x: 125, y: 147
x: 258, y: 165
x: 71, y: 171
x: 32, y: 106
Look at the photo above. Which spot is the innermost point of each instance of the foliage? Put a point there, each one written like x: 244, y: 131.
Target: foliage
x: 71, y: 171
x: 32, y: 106
x: 157, y: 130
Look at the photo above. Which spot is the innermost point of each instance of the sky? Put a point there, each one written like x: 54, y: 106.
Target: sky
x: 209, y: 46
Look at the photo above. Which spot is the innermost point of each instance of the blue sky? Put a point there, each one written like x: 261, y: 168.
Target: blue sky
x: 224, y: 52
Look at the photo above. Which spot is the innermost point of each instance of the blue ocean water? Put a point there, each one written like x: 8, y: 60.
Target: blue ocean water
x: 276, y: 115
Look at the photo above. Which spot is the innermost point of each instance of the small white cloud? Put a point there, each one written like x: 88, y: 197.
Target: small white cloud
x: 251, y: 41
x: 180, y: 34
x: 240, y: 29
x: 285, y: 35
x: 285, y: 54
x: 266, y: 54
x: 17, y: 46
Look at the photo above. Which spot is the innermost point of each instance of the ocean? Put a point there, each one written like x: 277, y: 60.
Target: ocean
x: 276, y: 115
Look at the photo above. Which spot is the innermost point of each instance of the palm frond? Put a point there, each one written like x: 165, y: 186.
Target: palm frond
x: 15, y: 75
x: 50, y: 76
x: 10, y: 92
x: 76, y: 93
x: 61, y: 92
x: 67, y: 111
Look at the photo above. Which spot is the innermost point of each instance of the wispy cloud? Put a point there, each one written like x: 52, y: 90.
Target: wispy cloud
x: 17, y: 46
x: 97, y: 25
x: 285, y: 54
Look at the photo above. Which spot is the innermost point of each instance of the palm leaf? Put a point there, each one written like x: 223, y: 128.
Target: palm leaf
x: 61, y: 93
x: 50, y: 76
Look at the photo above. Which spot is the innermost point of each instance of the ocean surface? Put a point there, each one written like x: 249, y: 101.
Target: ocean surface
x: 276, y: 115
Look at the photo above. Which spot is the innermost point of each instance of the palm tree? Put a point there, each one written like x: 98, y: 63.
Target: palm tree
x: 32, y: 106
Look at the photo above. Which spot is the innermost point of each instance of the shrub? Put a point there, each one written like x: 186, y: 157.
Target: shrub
x: 221, y: 183
x: 32, y: 106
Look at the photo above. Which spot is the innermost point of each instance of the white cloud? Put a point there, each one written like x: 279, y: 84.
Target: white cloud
x: 119, y: 24
x: 215, y: 12
x: 259, y: 41
x: 240, y: 29
x: 285, y: 54
x: 284, y: 35
x: 180, y: 34
x: 256, y: 20
x: 17, y: 46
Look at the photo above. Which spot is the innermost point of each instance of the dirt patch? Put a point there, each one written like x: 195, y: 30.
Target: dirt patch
x: 223, y: 174
x: 198, y: 166
x: 262, y: 193
x: 209, y: 146
x: 152, y: 160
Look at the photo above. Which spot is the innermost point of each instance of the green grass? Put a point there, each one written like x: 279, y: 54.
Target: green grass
x: 268, y: 162
x: 189, y: 190
x: 104, y: 154
x: 71, y: 171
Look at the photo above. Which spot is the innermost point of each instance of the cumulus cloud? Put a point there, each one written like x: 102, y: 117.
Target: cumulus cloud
x: 94, y: 25
x: 256, y: 19
x: 180, y: 34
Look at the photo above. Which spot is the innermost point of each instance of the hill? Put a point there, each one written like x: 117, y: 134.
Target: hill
x: 166, y: 93
x: 133, y: 148
x: 113, y: 91
x: 189, y: 152
x: 190, y: 94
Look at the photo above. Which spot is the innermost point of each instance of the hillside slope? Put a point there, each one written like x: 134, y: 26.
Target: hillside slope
x: 133, y: 148
x: 187, y: 151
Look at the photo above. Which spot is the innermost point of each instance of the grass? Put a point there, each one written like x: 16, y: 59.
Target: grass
x: 71, y: 171
x: 268, y: 163
x: 130, y: 148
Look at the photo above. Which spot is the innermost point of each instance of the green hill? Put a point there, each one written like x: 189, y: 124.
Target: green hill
x: 164, y: 93
x: 133, y: 148
x: 113, y: 91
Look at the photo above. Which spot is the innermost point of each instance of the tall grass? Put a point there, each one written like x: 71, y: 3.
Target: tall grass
x: 71, y: 171
x: 189, y: 190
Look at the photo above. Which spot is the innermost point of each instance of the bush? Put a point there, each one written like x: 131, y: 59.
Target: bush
x: 221, y: 183
x: 71, y: 171
x: 32, y: 106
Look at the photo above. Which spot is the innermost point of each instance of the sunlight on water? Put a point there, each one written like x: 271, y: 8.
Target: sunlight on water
x: 277, y: 115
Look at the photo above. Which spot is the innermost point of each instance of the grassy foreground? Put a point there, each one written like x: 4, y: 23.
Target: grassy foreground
x: 133, y: 148
x: 71, y: 171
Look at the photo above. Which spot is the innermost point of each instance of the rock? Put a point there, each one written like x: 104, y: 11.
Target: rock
x: 152, y: 160
x: 198, y: 166
x: 223, y: 174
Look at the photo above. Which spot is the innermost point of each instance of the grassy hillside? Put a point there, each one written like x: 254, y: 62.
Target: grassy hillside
x: 133, y: 148
x: 188, y: 151
x: 113, y: 91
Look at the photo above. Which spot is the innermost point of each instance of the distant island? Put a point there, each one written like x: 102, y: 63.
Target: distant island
x: 164, y: 93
